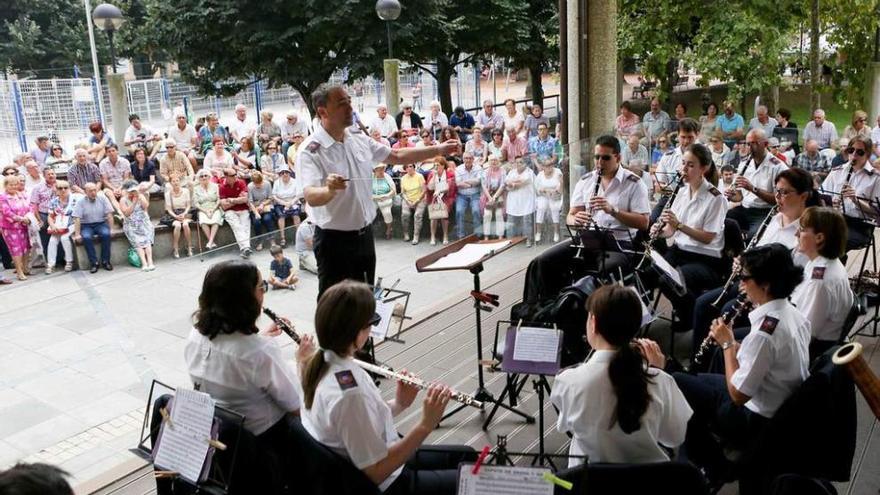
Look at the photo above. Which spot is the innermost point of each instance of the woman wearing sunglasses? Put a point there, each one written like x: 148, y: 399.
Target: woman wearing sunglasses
x: 855, y: 188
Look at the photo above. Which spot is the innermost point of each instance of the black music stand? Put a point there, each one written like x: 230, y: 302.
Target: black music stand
x: 425, y: 263
x: 872, y: 247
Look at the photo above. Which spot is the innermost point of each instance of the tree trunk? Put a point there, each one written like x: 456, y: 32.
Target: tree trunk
x: 668, y: 85
x: 537, y: 87
x: 444, y: 86
x: 815, y: 68
x: 306, y: 88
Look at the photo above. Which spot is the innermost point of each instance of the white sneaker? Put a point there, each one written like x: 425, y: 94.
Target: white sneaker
x: 556, y: 237
x: 537, y: 237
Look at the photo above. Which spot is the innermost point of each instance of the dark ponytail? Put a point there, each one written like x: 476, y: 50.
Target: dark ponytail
x: 704, y: 156
x: 618, y: 314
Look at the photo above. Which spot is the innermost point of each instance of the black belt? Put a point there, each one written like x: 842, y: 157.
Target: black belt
x: 346, y: 233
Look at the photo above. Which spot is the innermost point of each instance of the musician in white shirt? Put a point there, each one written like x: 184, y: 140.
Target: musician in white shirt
x: 617, y: 408
x: 755, y: 184
x: 859, y: 184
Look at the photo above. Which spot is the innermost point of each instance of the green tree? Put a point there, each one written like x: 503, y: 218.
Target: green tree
x: 850, y: 26
x: 538, y: 44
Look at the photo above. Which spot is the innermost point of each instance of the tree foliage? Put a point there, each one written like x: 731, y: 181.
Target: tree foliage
x: 850, y: 26
x: 537, y: 48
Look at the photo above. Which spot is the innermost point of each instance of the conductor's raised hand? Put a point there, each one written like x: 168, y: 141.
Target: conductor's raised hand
x: 434, y: 405
x: 450, y: 147
x: 335, y: 182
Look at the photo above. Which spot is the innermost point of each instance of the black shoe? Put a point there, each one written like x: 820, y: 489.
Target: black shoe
x: 94, y: 268
x: 107, y: 266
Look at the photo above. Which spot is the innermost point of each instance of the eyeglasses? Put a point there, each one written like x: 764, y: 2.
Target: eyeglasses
x: 10, y: 172
x: 169, y: 146
x: 662, y: 141
x: 858, y: 152
x: 604, y: 158
x: 782, y: 192
x: 61, y: 187
x: 264, y: 286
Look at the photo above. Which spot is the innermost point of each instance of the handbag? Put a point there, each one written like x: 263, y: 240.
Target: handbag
x: 166, y: 219
x: 133, y: 258
x: 437, y: 210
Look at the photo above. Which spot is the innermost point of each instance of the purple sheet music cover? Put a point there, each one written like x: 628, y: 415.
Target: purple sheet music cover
x: 509, y: 365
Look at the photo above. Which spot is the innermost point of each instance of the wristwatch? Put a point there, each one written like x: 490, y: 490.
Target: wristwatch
x: 614, y: 211
x: 725, y: 346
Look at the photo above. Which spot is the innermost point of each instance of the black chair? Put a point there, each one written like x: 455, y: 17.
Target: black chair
x: 793, y: 484
x: 613, y: 479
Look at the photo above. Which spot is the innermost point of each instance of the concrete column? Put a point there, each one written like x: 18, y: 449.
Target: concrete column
x: 601, y: 59
x: 118, y: 106
x: 392, y: 85
x: 874, y: 91
x: 574, y: 117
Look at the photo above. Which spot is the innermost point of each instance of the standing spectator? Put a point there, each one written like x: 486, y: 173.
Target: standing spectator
x: 709, y: 123
x: 40, y: 197
x: 240, y: 127
x: 548, y: 187
x: 627, y: 123
x: 291, y: 127
x: 467, y: 196
x: 175, y: 163
x: 186, y: 140
x: 441, y: 189
x: 206, y: 199
x: 93, y: 216
x: 520, y: 201
x: 407, y: 120
x: 492, y: 199
x: 488, y: 119
x: 98, y: 142
x: 115, y: 170
x: 478, y: 148
x: 234, y: 202
x: 287, y: 194
x: 268, y: 131
x: 41, y: 152
x: 496, y: 146
x: 535, y: 119
x: 31, y: 175
x: 218, y: 159
x: 139, y: 136
x: 59, y: 225
x: 463, y: 123
x: 211, y: 130
x: 178, y: 204
x: 822, y: 131
x: 305, y: 250
x: 383, y: 122
x: 14, y: 223
x: 512, y: 118
x: 56, y: 160
x: 261, y: 206
x: 763, y: 120
x: 731, y: 124
x: 436, y: 120
x: 82, y: 172
x: 281, y: 272
x: 417, y: 93
x: 515, y: 147
x: 383, y: 195
x: 137, y: 226
x: 858, y: 127
x: 813, y: 161
x: 143, y: 171
x: 654, y: 122
x: 412, y: 192
x: 542, y: 146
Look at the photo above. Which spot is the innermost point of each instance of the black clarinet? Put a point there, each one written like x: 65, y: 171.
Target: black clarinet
x: 595, y: 194
x: 660, y: 225
x: 845, y: 183
x: 283, y: 325
x: 740, y: 306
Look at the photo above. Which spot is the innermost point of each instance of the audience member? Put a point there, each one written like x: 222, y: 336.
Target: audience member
x: 441, y: 190
x: 627, y: 123
x: 543, y: 146
x: 478, y: 148
x: 376, y: 135
x: 407, y: 120
x: 719, y: 151
x: 218, y: 159
x: 492, y: 198
x: 234, y: 203
x: 496, y: 145
x: 143, y: 171
x: 413, y: 204
x: 773, y: 147
x: 114, y: 171
x: 783, y: 119
x: 59, y: 225
x: 41, y: 152
x: 261, y: 207
x: 449, y: 134
x: 812, y: 161
x: 822, y: 131
x: 82, y: 172
x: 244, y: 158
x: 40, y: 197
x: 468, y: 177
x: 514, y: 147
x: 463, y: 123
x: 57, y: 160
x: 281, y: 272
x: 31, y: 176
x: 384, y: 123
x: 211, y: 130
x: 14, y: 223
x: 488, y: 119
x: 178, y: 204
x: 384, y: 192
x: 520, y: 200
x: 138, y: 229
x: 534, y: 120
x: 548, y: 188
x: 842, y: 155
x: 731, y: 124
x: 287, y: 194
x: 763, y: 120
x: 436, y: 120
x: 659, y: 151
x: 139, y: 136
x: 267, y: 131
x: 185, y: 138
x: 293, y: 149
x: 93, y: 216
x: 240, y: 127
x: 858, y: 127
x: 98, y: 142
x: 681, y: 111
x: 655, y: 122
x: 206, y: 200
x: 305, y: 249
x: 709, y: 123
x: 512, y: 118
x: 175, y: 163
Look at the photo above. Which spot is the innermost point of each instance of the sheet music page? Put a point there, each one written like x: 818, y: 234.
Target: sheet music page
x: 647, y: 316
x: 468, y: 254
x: 503, y: 480
x: 666, y: 268
x: 538, y: 345
x: 383, y: 309
x: 184, y: 444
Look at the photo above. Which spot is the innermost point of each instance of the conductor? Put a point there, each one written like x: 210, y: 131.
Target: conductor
x: 335, y: 167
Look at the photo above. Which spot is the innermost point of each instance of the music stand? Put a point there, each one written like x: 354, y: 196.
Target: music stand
x: 593, y: 239
x: 872, y: 247
x: 475, y: 266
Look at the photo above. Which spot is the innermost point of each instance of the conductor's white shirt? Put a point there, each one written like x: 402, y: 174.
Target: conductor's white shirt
x: 587, y: 402
x: 320, y: 155
x: 704, y: 210
x: 774, y: 357
x: 824, y: 297
x: 245, y: 373
x: 626, y: 192
x: 763, y: 177
x: 349, y: 416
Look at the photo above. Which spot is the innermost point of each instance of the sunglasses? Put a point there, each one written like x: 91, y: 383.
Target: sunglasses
x: 662, y: 141
x: 264, y: 286
x: 858, y: 152
x: 170, y: 147
x: 61, y: 188
x: 11, y: 172
x: 604, y: 158
x: 375, y: 320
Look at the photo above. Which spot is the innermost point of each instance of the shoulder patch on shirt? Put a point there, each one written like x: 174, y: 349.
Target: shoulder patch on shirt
x: 769, y: 324
x: 869, y: 172
x: 346, y: 380
x: 714, y: 191
x: 313, y: 146
x: 588, y: 175
x: 670, y: 152
x: 633, y: 178
x: 839, y: 167
x: 818, y: 273
x: 774, y: 160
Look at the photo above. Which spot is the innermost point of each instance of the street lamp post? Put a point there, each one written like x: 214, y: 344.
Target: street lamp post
x: 389, y: 10
x: 109, y: 18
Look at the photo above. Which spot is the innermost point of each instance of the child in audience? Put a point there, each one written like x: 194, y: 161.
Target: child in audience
x: 281, y: 273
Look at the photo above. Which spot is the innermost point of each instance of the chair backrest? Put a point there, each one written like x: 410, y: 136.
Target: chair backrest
x: 614, y: 479
x: 859, y: 308
x: 733, y: 239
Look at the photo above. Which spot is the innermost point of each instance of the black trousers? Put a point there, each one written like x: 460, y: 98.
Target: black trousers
x: 344, y: 255
x: 704, y: 313
x: 432, y: 471
x: 858, y: 233
x: 700, y: 273
x: 749, y: 219
x: 5, y: 257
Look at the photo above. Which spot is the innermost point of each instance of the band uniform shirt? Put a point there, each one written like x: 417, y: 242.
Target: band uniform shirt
x: 320, y: 155
x: 774, y: 357
x: 626, y: 192
x: 245, y: 373
x: 785, y: 235
x: 349, y: 416
x: 762, y: 176
x: 586, y: 402
x: 704, y: 210
x: 670, y: 163
x: 824, y: 297
x: 866, y: 183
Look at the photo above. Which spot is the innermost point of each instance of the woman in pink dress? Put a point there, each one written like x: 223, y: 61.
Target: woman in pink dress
x: 14, y: 207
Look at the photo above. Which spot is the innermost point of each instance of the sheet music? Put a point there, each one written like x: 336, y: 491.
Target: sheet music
x: 503, y: 480
x: 183, y: 446
x: 539, y: 345
x: 664, y: 266
x: 470, y: 253
x: 647, y: 317
x: 383, y: 309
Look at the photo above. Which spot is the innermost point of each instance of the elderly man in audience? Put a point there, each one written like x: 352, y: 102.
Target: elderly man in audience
x: 468, y: 178
x: 239, y: 127
x: 823, y: 132
x: 234, y: 203
x: 488, y: 119
x: 763, y: 120
x: 731, y: 124
x: 93, y: 216
x: 514, y: 147
x: 383, y: 122
x: 186, y: 141
x: 41, y: 152
x: 635, y: 158
x: 31, y: 175
x: 114, y: 171
x: 292, y: 126
x: 211, y: 130
x: 543, y: 146
x: 654, y: 123
x: 175, y: 162
x: 813, y: 161
x: 82, y: 172
x: 40, y: 197
x: 60, y: 225
x: 139, y: 136
x: 534, y: 120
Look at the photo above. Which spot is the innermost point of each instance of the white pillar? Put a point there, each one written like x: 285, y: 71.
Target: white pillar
x: 118, y: 107
x: 874, y: 95
x: 392, y: 85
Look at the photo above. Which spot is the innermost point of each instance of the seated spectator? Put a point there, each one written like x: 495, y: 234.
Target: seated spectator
x: 186, y: 141
x: 384, y: 123
x: 543, y: 146
x: 535, y: 119
x: 520, y: 200
x: 858, y: 127
x: 449, y: 134
x: 719, y: 150
x: 15, y: 219
x: 287, y: 194
x: 292, y: 127
x: 294, y: 149
x: 143, y: 171
x: 268, y: 131
x: 234, y: 203
x: 654, y: 123
x: 376, y: 135
x: 492, y: 198
x: 514, y: 147
x: 407, y: 120
x: 82, y: 172
x: 627, y: 123
x: 709, y: 123
x: 821, y: 131
x: 98, y: 142
x: 727, y: 175
x: 137, y: 226
x: 56, y: 160
x: 139, y: 136
x: 783, y: 119
x: 413, y: 204
x: 217, y: 160
x: 40, y: 197
x: 842, y: 156
x: 178, y: 204
x: 261, y: 206
x: 206, y: 200
x: 34, y: 479
x: 813, y: 161
x: 245, y: 158
x: 240, y: 127
x: 488, y: 119
x: 175, y: 163
x: 59, y: 225
x: 281, y: 272
x: 436, y: 120
x: 212, y: 129
x: 384, y: 191
x: 31, y: 176
x: 93, y: 215
x: 305, y: 250
x: 763, y: 120
x: 427, y: 139
x: 478, y: 148
x: 41, y: 152
x: 661, y: 149
x: 468, y: 177
x: 681, y: 113
x: 115, y: 170
x: 513, y: 119
x: 463, y: 123
x: 401, y: 140
x: 731, y: 124
x: 495, y: 147
x: 441, y: 189
x: 773, y: 148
